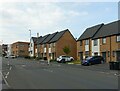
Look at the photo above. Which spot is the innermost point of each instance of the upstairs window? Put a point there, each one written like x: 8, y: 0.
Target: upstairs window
x: 118, y: 38
x: 96, y: 42
x: 81, y: 43
x: 103, y: 40
x: 87, y: 42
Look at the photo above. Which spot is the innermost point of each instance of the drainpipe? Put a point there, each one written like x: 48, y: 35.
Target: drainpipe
x: 110, y: 49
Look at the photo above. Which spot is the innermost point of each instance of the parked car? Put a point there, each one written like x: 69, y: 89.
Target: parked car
x: 93, y: 60
x: 64, y: 59
x: 10, y: 56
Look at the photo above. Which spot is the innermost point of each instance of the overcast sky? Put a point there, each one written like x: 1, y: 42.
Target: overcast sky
x: 16, y: 18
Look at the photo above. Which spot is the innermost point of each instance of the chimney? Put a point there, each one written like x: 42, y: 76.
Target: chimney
x: 37, y: 35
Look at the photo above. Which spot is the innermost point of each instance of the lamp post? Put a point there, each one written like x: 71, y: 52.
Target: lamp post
x: 30, y: 44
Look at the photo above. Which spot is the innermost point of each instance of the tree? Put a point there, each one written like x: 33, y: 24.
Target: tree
x: 66, y: 50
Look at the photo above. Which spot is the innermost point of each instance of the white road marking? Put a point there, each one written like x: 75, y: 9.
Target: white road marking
x: 7, y: 73
x: 48, y: 70
x: 6, y: 76
x: 58, y: 65
x: 23, y: 65
x: 10, y: 68
x: 5, y: 80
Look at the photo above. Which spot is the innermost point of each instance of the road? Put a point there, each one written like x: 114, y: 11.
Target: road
x: 22, y: 73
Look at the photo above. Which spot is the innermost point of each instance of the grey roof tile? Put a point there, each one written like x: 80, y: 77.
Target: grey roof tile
x: 90, y: 32
x: 49, y: 38
x: 58, y: 36
x: 108, y: 29
x: 42, y: 38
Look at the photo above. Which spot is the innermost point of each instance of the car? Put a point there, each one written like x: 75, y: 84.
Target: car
x: 10, y: 56
x: 64, y: 59
x: 93, y: 60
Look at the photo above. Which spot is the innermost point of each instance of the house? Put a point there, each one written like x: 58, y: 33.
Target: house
x: 108, y: 40
x: 51, y: 45
x: 41, y: 46
x: 33, y: 46
x: 4, y: 49
x: 45, y: 46
x: 9, y: 51
x: 20, y: 49
x: 84, y: 42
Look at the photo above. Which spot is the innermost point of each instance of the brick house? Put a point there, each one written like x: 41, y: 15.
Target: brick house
x: 84, y: 42
x: 20, y: 49
x: 108, y: 40
x: 51, y: 46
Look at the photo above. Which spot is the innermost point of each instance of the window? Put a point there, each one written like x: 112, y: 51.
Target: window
x: 45, y: 45
x: 96, y: 54
x: 49, y: 54
x: 86, y: 42
x: 118, y: 38
x: 81, y: 43
x: 113, y: 53
x: 50, y: 45
x: 22, y: 51
x: 16, y: 46
x: 103, y: 40
x: 95, y: 42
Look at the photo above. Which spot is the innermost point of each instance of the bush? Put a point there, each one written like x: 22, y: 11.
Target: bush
x: 27, y: 57
x: 52, y: 60
x: 39, y: 58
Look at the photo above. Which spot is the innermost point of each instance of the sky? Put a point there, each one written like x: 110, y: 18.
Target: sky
x: 17, y: 18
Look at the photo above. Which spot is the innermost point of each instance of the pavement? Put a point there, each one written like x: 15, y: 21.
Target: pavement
x: 20, y: 73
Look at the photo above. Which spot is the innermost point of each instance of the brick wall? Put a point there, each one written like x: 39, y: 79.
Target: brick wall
x: 66, y: 40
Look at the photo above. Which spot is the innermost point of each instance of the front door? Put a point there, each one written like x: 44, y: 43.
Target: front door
x: 118, y: 55
x: 53, y: 55
x: 104, y: 56
x: 81, y: 56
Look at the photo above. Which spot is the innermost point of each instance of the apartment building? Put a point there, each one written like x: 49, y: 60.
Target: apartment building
x: 20, y: 49
x: 84, y: 42
x: 51, y: 45
x: 108, y: 40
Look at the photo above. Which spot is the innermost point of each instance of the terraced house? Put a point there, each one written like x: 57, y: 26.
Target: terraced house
x: 108, y: 40
x: 20, y: 49
x: 101, y: 40
x: 51, y: 46
x: 84, y: 42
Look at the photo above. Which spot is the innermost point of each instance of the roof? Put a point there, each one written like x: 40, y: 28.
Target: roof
x: 90, y: 32
x: 49, y: 38
x: 58, y: 36
x: 108, y: 30
x: 42, y: 38
x: 34, y: 39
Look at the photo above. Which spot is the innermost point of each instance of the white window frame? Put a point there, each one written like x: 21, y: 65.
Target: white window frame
x: 118, y: 38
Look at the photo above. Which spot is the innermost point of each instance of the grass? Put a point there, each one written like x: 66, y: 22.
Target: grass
x: 75, y: 62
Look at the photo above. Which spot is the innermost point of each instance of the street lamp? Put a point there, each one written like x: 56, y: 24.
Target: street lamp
x: 30, y: 44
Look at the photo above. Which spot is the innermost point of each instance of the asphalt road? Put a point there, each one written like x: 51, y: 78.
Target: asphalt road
x: 20, y: 73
